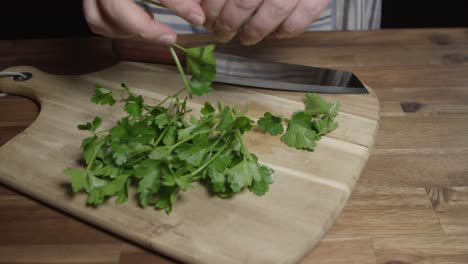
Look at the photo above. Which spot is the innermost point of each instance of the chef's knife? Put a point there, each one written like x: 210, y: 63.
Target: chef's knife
x: 237, y: 70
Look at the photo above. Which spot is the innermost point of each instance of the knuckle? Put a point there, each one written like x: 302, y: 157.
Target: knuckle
x: 290, y: 29
x: 246, y: 4
x: 280, y: 8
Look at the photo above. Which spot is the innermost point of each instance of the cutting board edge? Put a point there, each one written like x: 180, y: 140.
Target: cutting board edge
x: 96, y: 221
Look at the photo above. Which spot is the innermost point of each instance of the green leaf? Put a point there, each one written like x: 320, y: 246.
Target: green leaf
x: 150, y: 182
x: 201, y: 64
x: 123, y: 194
x: 134, y: 105
x: 299, y: 133
x: 159, y: 153
x: 226, y: 119
x: 115, y: 186
x: 218, y: 179
x: 121, y: 152
x: 163, y: 120
x: 108, y: 171
x: 271, y: 124
x: 207, y: 109
x: 91, y: 126
x: 316, y: 105
x: 243, y: 124
x: 102, y: 96
x: 199, y: 87
x: 183, y: 183
x: 91, y: 148
x: 167, y: 198
x: 259, y: 187
x: 324, y: 125
x: 171, y: 135
x: 79, y: 180
x: 120, y: 132
x: 243, y: 174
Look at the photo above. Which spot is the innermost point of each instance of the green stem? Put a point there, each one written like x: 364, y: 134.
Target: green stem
x: 244, y: 149
x: 151, y: 2
x: 160, y: 137
x: 171, y: 96
x: 206, y: 164
x: 181, y: 70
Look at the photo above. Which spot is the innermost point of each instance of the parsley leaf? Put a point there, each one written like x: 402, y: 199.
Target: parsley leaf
x: 79, y: 180
x: 162, y: 151
x: 299, y: 133
x: 201, y: 64
x: 316, y: 105
x: 271, y: 124
x: 102, y: 96
x: 91, y: 126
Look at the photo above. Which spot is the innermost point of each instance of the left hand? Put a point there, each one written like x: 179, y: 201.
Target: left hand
x: 256, y: 19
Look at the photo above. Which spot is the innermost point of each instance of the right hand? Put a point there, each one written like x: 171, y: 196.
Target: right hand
x: 125, y: 19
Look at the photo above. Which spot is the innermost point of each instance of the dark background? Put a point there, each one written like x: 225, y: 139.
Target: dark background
x: 64, y: 18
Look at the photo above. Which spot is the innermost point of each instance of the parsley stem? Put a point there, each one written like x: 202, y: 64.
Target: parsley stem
x: 171, y: 96
x: 181, y: 70
x: 202, y: 167
x: 151, y: 2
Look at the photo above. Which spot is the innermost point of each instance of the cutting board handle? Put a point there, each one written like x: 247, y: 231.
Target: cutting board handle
x: 16, y: 86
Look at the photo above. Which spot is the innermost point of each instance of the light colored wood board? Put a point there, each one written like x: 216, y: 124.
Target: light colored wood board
x: 358, y: 251
x: 309, y: 188
x: 451, y: 206
x: 425, y: 249
x: 30, y: 254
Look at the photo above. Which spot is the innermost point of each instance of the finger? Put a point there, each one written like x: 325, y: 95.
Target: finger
x: 232, y: 16
x: 98, y: 24
x: 306, y: 12
x: 212, y: 10
x: 127, y: 16
x: 189, y: 10
x: 267, y: 18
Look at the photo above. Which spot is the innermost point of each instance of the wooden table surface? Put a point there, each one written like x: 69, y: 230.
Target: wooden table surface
x: 409, y: 206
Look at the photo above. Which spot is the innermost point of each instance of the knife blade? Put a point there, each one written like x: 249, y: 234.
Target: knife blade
x: 251, y: 72
x: 237, y: 70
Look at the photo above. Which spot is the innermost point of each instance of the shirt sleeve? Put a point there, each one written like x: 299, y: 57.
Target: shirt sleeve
x: 340, y: 15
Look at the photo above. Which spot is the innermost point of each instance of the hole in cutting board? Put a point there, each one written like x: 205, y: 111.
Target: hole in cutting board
x: 16, y: 114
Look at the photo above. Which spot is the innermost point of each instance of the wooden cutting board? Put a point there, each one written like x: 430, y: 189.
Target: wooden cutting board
x: 310, y: 191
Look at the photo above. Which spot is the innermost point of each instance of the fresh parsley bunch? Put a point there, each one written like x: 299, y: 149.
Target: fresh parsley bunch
x: 162, y: 150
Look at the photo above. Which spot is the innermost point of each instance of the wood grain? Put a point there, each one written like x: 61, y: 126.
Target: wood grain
x: 33, y: 162
x: 409, y: 205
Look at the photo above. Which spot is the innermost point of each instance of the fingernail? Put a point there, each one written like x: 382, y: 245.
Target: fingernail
x: 167, y: 39
x: 196, y: 19
x: 281, y: 35
x: 248, y: 42
x: 226, y: 37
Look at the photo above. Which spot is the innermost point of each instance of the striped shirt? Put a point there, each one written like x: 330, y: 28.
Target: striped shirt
x: 340, y: 15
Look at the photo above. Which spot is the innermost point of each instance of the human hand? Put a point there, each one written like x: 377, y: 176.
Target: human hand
x: 256, y: 19
x: 125, y: 19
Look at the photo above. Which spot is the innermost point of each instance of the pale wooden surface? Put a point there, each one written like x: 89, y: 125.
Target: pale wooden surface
x: 410, y: 204
x: 280, y: 227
